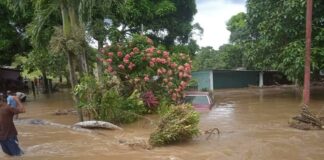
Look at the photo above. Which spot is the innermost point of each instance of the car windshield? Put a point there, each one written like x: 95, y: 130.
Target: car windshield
x: 193, y: 99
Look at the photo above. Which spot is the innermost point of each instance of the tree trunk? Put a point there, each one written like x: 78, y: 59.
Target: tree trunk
x: 67, y: 27
x: 46, y: 89
x: 83, y: 63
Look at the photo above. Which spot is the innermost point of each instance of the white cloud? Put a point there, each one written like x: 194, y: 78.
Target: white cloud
x: 212, y: 16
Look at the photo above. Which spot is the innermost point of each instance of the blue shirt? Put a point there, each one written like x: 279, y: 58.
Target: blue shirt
x: 11, y: 102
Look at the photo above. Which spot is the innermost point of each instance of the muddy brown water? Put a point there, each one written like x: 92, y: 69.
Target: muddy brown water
x: 253, y: 125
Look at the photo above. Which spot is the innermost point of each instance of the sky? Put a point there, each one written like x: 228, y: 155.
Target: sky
x: 212, y: 16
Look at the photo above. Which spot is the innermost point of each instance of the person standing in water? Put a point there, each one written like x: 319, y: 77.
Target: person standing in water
x: 8, y: 131
x: 13, y: 101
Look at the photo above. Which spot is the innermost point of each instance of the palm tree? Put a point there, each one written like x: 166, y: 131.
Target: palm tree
x: 70, y: 37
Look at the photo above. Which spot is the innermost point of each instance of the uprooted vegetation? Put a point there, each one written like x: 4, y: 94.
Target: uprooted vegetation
x: 307, y: 120
x: 178, y: 125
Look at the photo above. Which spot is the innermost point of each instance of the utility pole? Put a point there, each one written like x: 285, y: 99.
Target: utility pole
x: 309, y: 12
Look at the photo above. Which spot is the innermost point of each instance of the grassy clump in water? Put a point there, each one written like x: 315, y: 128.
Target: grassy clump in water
x: 177, y: 125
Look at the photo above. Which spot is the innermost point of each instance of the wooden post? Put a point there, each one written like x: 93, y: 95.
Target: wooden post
x: 309, y: 12
x: 33, y: 89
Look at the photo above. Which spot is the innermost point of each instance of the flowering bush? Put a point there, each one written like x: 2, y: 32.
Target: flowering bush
x: 144, y: 67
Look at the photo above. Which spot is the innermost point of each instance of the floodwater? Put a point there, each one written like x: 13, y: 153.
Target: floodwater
x: 253, y: 125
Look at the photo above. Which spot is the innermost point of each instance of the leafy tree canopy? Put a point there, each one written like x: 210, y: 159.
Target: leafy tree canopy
x: 13, y: 41
x: 165, y: 21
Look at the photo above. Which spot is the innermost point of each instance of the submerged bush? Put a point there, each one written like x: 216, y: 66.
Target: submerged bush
x: 104, y: 101
x: 179, y: 124
x: 118, y: 109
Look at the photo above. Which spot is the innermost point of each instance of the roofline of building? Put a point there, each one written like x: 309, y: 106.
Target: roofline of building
x: 10, y: 69
x: 234, y: 70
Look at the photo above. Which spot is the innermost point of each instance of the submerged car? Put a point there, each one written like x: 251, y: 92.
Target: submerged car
x: 202, y: 101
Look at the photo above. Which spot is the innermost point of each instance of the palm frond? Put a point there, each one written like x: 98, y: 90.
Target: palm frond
x: 43, y: 10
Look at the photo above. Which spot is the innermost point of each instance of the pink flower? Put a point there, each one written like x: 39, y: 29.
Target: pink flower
x: 163, y: 61
x: 165, y: 54
x: 158, y: 52
x: 170, y: 84
x: 119, y: 54
x: 180, y: 68
x: 187, y: 69
x: 110, y: 69
x: 174, y: 96
x: 180, y: 75
x: 136, y: 50
x: 131, y: 66
x: 163, y: 70
x: 121, y: 66
x: 150, y: 50
x: 159, y: 71
x: 146, y: 78
x: 151, y: 64
x: 109, y: 60
x: 173, y: 65
x: 131, y: 54
x: 127, y: 56
x: 183, y: 84
x: 125, y: 60
x: 110, y: 54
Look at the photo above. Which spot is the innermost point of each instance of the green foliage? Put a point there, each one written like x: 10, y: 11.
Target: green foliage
x: 277, y: 32
x: 118, y: 109
x: 232, y: 56
x: 238, y: 27
x: 180, y: 124
x: 104, y: 101
x: 13, y: 41
x: 164, y: 105
x: 207, y: 58
x: 164, y: 21
x: 293, y: 61
x: 191, y: 48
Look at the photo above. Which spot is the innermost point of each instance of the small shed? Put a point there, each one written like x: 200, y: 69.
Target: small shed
x: 218, y: 79
x: 10, y: 79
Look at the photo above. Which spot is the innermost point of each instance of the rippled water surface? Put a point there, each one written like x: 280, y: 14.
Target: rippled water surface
x: 253, y: 125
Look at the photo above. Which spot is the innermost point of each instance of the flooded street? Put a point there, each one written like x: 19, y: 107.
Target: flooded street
x: 253, y: 124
